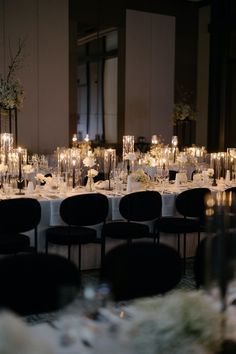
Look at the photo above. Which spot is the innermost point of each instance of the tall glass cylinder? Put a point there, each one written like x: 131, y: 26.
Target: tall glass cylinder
x: 6, y: 143
x: 109, y: 161
x: 128, y: 145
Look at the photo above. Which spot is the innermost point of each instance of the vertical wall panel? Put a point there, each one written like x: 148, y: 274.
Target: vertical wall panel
x: 150, y: 48
x: 203, y: 75
x: 43, y: 24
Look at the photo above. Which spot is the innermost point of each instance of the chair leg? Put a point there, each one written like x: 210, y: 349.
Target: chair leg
x: 79, y: 256
x: 184, y: 256
x: 103, y: 251
x: 198, y: 237
x: 46, y: 245
x: 157, y: 238
x: 69, y: 251
x: 178, y: 245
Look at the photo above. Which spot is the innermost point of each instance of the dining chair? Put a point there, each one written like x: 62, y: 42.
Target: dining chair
x: 190, y: 205
x: 34, y: 283
x: 137, y: 209
x: 17, y: 216
x: 141, y: 269
x: 79, y: 213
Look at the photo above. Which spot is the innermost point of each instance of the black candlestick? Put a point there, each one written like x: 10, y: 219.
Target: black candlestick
x: 73, y: 177
x: 20, y: 181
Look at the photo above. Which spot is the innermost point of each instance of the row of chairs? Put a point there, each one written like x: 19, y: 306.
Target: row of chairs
x: 35, y: 283
x: 80, y: 213
x: 119, y: 266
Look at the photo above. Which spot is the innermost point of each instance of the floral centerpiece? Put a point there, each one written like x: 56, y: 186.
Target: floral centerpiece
x: 89, y: 161
x: 183, y: 111
x: 139, y: 179
x: 183, y: 108
x: 140, y: 176
x: 178, y: 323
x: 40, y: 178
x: 11, y: 90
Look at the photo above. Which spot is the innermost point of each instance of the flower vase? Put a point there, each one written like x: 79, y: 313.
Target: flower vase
x: 90, y: 184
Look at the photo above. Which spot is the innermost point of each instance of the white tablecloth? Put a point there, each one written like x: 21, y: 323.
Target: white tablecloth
x: 50, y: 205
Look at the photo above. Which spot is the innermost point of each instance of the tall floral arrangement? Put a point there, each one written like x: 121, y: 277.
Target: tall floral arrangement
x: 183, y: 108
x: 11, y: 89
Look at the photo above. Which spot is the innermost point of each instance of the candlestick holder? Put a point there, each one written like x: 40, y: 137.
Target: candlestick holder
x: 214, y: 183
x: 128, y: 145
x: 20, y: 186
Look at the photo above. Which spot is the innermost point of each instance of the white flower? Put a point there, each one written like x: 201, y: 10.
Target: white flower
x: 3, y: 168
x: 92, y: 172
x: 178, y: 323
x: 210, y: 172
x: 40, y: 177
x: 149, y: 160
x: 89, y: 161
x: 11, y: 90
x: 140, y: 176
x: 51, y: 182
x: 28, y: 169
x: 11, y: 94
x: 182, y: 111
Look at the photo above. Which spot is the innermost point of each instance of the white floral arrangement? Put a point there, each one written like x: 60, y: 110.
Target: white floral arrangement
x: 140, y: 176
x: 183, y: 108
x: 27, y: 169
x: 89, y: 161
x: 92, y: 172
x: 3, y: 168
x: 52, y: 182
x: 40, y: 178
x: 210, y: 172
x: 183, y: 111
x: 178, y: 323
x: 11, y: 94
x: 18, y: 338
x: 150, y: 160
x: 11, y: 89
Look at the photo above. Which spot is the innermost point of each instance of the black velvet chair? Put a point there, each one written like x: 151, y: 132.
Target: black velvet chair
x: 79, y: 212
x: 17, y: 216
x: 35, y: 283
x: 190, y: 204
x: 136, y: 208
x: 141, y: 269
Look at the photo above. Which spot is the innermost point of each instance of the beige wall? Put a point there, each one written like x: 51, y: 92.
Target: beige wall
x: 149, y: 80
x: 43, y: 120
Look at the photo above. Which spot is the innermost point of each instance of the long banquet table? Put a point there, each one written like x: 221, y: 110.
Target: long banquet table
x: 50, y: 204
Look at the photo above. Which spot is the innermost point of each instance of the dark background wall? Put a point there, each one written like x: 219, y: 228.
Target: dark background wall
x: 97, y: 14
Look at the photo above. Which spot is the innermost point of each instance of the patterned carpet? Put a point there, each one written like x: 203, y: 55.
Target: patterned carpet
x: 91, y: 277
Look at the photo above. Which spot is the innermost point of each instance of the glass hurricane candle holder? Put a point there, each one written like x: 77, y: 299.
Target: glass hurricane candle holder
x: 128, y: 145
